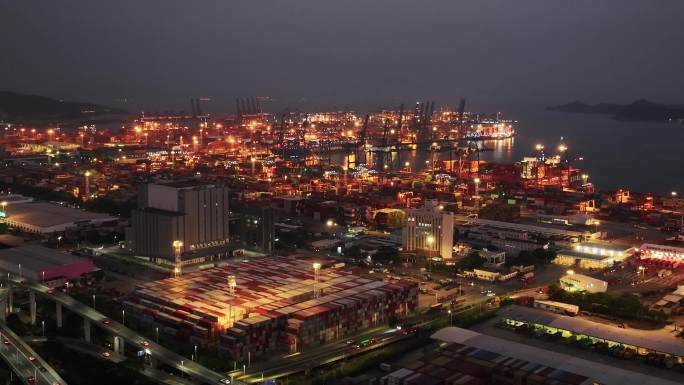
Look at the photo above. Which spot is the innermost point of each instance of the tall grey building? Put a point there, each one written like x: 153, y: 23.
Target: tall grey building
x: 192, y: 212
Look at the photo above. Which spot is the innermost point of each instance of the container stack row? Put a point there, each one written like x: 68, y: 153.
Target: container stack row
x: 277, y: 303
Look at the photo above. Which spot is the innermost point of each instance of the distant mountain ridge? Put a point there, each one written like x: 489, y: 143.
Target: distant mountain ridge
x: 23, y: 107
x: 639, y: 111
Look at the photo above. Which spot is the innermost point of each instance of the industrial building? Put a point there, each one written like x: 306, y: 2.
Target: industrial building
x: 254, y: 228
x: 474, y: 358
x: 579, y: 282
x: 47, y: 218
x: 41, y: 264
x: 593, y: 255
x: 254, y: 307
x: 664, y: 254
x: 429, y: 231
x: 194, y: 215
x: 516, y: 237
x: 641, y: 342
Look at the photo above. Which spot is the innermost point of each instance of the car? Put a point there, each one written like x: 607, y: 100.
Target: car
x: 31, y: 379
x: 50, y: 290
x: 31, y: 358
x: 107, y: 322
x: 145, y: 343
x: 349, y: 342
x: 7, y: 342
x: 224, y: 381
x: 42, y: 369
x: 106, y: 354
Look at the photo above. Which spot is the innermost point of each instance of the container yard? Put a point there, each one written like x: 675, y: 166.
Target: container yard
x: 253, y: 307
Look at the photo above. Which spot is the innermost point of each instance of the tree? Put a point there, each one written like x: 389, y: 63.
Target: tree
x: 352, y: 252
x: 386, y: 254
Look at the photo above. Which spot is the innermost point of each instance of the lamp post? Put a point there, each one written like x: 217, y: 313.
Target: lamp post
x: 87, y: 184
x: 477, y: 190
x: 196, y: 353
x: 123, y: 317
x: 681, y: 209
x: 451, y: 317
x: 156, y: 331
x: 562, y: 149
x: 59, y: 238
x: 43, y: 324
x: 177, y: 245
x: 93, y: 301
x: 316, y: 268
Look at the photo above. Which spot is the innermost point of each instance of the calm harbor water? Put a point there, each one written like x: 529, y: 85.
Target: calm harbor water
x: 643, y: 157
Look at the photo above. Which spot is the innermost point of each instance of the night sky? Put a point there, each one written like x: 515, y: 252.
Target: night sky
x: 327, y: 54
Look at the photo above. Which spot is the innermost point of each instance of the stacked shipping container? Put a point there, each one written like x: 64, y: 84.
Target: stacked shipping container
x: 274, y: 305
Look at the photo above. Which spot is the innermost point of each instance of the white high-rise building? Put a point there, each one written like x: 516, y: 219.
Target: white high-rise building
x: 429, y: 231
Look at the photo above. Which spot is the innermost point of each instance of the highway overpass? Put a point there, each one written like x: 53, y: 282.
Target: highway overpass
x: 25, y: 363
x: 121, y: 333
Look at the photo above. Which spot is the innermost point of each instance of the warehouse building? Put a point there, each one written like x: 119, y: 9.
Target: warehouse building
x: 41, y: 264
x: 589, y: 255
x: 251, y: 308
x: 640, y: 341
x: 47, y: 218
x: 474, y: 358
x: 194, y: 213
x: 574, y: 282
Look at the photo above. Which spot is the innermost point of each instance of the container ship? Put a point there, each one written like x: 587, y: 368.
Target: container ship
x: 490, y: 130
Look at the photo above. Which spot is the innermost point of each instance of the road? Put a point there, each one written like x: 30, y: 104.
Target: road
x: 156, y: 351
x: 17, y: 352
x: 315, y: 357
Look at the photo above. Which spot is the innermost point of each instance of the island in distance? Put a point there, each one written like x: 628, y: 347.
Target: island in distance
x: 41, y: 110
x: 638, y: 111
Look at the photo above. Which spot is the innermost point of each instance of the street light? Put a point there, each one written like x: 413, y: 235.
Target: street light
x: 681, y: 208
x: 59, y: 238
x: 87, y: 184
x: 123, y: 316
x: 177, y: 245
x: 316, y: 268
x: 93, y: 301
x: 196, y: 353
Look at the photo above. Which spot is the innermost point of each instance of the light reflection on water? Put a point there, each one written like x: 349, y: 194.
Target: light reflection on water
x: 641, y: 156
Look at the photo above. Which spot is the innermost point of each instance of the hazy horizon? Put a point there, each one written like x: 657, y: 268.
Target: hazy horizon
x: 313, y: 54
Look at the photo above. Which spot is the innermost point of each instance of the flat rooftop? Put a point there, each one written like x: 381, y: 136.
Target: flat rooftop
x: 185, y: 184
x: 44, y: 214
x: 537, y: 228
x: 652, y: 340
x: 36, y: 258
x: 604, y: 374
